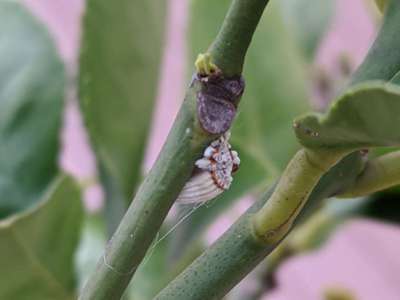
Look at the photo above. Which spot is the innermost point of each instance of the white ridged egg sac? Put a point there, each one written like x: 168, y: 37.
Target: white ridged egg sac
x: 200, y: 188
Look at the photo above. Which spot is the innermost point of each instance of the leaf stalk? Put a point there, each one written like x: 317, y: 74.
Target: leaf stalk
x: 380, y: 173
x: 273, y: 221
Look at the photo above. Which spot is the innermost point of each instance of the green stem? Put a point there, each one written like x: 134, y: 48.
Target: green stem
x: 313, y: 232
x: 302, y: 238
x: 380, y: 173
x: 184, y: 145
x: 276, y: 217
x: 238, y: 250
x: 230, y: 46
x: 150, y: 206
x: 222, y: 265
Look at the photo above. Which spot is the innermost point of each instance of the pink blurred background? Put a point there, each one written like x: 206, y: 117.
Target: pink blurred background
x: 359, y: 257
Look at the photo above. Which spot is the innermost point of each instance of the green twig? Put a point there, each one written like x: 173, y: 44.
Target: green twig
x: 184, y: 145
x: 239, y: 250
x: 301, y: 239
x: 304, y: 171
x: 313, y: 232
x: 222, y: 265
x: 230, y: 46
x: 145, y: 215
x: 380, y: 173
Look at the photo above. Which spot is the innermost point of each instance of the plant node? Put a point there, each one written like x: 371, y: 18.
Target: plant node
x: 204, y: 65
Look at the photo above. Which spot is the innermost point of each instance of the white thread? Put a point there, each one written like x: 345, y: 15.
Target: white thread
x: 115, y: 270
x: 151, y: 250
x: 157, y: 242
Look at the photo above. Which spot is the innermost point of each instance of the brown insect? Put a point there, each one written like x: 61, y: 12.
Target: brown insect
x: 214, y: 172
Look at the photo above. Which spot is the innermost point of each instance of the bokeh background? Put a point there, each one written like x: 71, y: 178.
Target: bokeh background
x: 361, y: 257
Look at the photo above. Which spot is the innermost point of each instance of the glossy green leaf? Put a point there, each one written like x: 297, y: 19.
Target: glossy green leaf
x: 119, y: 67
x: 31, y: 103
x: 37, y: 246
x: 382, y: 62
x: 396, y: 79
x: 308, y: 20
x: 273, y: 96
x: 367, y: 115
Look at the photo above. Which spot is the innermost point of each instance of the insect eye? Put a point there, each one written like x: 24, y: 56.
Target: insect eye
x: 235, y: 168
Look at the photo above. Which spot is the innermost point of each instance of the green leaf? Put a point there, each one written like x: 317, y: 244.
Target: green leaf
x: 31, y: 102
x: 396, y: 79
x: 262, y: 132
x: 381, y: 62
x: 119, y: 66
x: 367, y: 115
x: 38, y: 245
x: 308, y: 20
